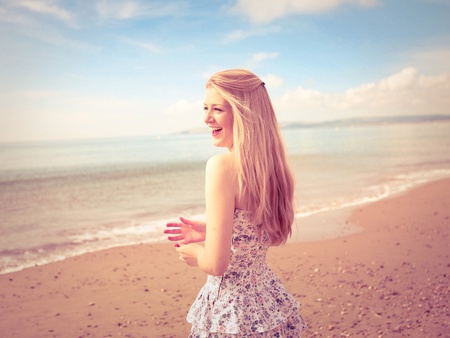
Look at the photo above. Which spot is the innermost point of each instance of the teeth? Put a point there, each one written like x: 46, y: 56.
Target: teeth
x: 215, y: 129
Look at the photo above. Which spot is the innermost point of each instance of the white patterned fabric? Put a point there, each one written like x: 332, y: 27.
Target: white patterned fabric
x: 249, y: 300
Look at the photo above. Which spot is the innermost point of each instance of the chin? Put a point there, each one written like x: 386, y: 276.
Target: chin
x: 221, y: 143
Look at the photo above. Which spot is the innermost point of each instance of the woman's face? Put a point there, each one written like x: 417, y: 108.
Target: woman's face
x: 219, y: 117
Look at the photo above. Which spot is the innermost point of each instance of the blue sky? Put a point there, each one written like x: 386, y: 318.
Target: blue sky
x: 103, y: 68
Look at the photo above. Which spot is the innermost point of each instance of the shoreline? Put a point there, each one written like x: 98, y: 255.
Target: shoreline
x: 334, y: 224
x: 390, y: 278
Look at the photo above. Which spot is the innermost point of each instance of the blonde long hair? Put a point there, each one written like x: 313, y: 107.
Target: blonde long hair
x: 265, y: 180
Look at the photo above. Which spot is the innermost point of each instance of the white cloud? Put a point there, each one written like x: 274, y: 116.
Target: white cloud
x: 264, y: 11
x: 256, y: 59
x: 259, y: 57
x: 151, y: 47
x: 129, y: 9
x: 404, y: 93
x: 31, y: 20
x: 240, y: 34
x: 431, y: 59
x: 182, y: 115
x: 47, y: 7
x: 183, y: 107
x: 25, y: 12
x: 272, y: 81
x: 56, y: 114
x: 29, y: 13
x: 405, y: 79
x: 37, y: 115
x: 9, y: 16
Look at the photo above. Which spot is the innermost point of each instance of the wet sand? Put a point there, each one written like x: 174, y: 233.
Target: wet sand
x: 389, y: 280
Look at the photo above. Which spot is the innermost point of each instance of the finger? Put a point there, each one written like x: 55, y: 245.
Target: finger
x: 171, y: 225
x: 172, y: 231
x: 175, y: 238
x: 186, y: 221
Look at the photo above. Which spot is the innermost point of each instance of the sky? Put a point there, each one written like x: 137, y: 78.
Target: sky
x: 108, y: 68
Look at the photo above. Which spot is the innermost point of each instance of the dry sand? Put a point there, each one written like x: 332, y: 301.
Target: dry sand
x: 389, y: 280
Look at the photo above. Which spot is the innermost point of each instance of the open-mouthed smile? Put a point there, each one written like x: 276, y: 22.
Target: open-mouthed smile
x: 215, y: 130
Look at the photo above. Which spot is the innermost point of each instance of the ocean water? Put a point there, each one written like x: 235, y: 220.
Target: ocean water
x: 60, y: 199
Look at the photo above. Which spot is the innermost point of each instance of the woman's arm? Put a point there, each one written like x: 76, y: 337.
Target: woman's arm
x: 220, y: 192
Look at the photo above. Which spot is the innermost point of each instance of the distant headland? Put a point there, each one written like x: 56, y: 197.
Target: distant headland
x: 349, y: 122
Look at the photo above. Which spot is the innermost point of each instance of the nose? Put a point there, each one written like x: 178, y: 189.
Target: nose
x: 208, y: 116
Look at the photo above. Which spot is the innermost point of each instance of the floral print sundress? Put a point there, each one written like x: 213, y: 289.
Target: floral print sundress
x: 248, y: 300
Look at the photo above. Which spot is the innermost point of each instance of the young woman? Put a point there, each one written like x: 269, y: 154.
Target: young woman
x: 249, y: 207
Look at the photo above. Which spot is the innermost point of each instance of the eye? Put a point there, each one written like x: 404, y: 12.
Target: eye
x: 218, y: 109
x: 205, y: 108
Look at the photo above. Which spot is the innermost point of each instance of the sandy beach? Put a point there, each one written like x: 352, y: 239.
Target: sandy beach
x: 391, y: 279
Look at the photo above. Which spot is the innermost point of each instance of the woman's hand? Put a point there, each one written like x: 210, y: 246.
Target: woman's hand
x: 187, y: 231
x: 189, y: 253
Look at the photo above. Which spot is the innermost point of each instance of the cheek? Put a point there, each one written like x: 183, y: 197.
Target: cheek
x: 230, y: 127
x: 229, y: 124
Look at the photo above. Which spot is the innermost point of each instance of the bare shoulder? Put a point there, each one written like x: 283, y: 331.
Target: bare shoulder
x: 221, y: 175
x: 222, y: 165
x: 220, y: 160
